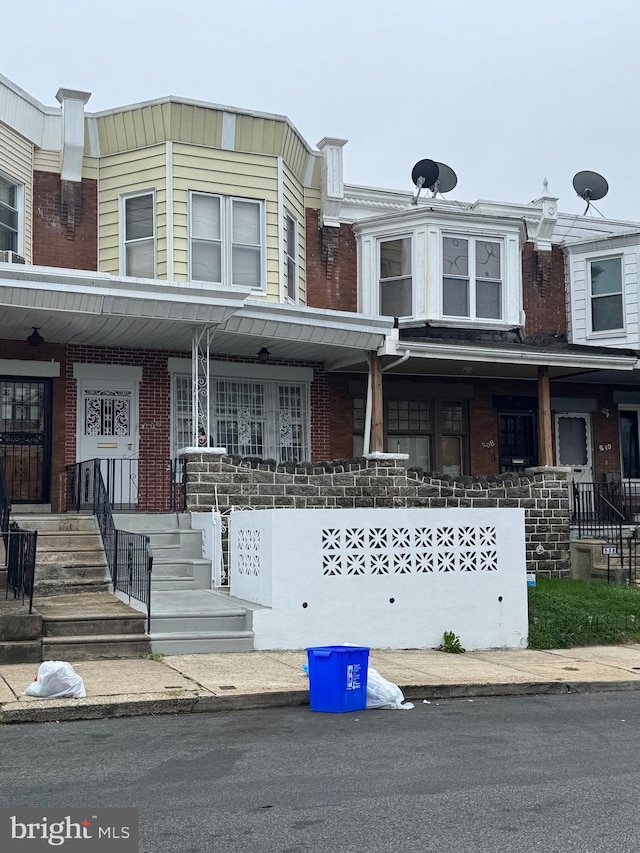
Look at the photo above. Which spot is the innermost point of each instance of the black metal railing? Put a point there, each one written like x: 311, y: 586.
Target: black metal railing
x: 5, y: 511
x: 129, y: 555
x: 21, y: 563
x: 19, y: 550
x: 598, y: 514
x: 145, y: 485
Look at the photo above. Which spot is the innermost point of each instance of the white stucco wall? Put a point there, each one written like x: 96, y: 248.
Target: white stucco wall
x: 384, y: 578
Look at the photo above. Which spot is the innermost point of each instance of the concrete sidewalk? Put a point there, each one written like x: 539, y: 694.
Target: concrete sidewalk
x: 222, y: 682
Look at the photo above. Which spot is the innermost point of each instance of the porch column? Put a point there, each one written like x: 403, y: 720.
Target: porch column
x: 200, y: 379
x: 544, y: 417
x: 375, y: 374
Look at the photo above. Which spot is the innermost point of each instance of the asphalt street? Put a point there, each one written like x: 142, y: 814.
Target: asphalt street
x: 549, y: 773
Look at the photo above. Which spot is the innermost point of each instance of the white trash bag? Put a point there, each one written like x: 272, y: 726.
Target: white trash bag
x: 384, y: 694
x: 56, y: 678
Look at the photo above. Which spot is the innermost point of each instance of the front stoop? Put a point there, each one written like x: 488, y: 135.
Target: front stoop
x: 81, y: 619
x: 91, y: 626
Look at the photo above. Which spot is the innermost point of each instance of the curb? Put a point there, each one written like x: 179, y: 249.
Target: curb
x: 65, y: 710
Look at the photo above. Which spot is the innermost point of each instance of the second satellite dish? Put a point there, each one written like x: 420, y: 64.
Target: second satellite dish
x: 590, y: 186
x: 447, y: 180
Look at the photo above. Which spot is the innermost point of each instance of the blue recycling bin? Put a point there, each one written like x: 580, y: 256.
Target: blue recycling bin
x: 338, y: 678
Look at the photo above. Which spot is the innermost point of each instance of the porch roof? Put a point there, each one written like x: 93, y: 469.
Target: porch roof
x: 91, y: 308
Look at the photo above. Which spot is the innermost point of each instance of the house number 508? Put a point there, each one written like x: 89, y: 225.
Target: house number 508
x: 604, y: 447
x: 489, y: 443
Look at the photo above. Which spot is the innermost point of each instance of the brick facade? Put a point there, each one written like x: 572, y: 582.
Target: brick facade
x: 65, y: 222
x: 332, y: 271
x: 544, y: 291
x: 225, y: 481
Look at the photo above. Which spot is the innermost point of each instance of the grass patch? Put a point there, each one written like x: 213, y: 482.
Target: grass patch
x: 566, y: 613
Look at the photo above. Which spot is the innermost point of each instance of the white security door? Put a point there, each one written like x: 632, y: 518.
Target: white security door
x: 574, y: 446
x: 108, y: 430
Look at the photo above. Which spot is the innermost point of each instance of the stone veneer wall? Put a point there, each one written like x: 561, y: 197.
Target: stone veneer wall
x: 543, y: 493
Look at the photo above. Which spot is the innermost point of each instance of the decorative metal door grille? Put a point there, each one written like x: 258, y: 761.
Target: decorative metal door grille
x: 25, y: 438
x: 107, y: 412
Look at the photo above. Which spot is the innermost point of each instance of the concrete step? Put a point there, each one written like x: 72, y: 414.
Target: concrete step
x: 202, y: 643
x: 21, y: 651
x: 195, y: 574
x: 95, y: 647
x: 186, y: 543
x: 100, y: 624
x: 46, y: 589
x: 68, y: 540
x: 72, y: 571
x: 71, y: 556
x: 62, y: 522
x: 151, y: 522
x: 193, y: 623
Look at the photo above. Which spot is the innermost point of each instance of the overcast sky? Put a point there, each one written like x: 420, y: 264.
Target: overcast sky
x: 505, y: 92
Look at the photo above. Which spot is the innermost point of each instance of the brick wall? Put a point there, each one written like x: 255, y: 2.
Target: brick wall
x: 543, y: 290
x: 542, y: 493
x: 332, y: 274
x: 64, y: 222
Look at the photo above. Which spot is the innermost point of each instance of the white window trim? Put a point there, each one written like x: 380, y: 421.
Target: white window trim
x: 472, y: 279
x: 405, y: 235
x: 290, y: 219
x: 226, y: 213
x: 122, y: 212
x: 604, y: 333
x: 20, y: 208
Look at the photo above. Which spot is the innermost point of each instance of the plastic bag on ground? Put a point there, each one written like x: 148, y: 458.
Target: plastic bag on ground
x: 55, y: 679
x: 384, y: 694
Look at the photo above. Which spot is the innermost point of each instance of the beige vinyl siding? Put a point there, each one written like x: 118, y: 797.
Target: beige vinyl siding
x: 228, y: 173
x: 146, y: 126
x: 124, y: 174
x: 313, y: 194
x: 46, y: 161
x: 16, y: 163
x: 294, y: 204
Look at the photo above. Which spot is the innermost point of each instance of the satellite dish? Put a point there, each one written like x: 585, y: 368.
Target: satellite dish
x: 424, y: 174
x: 447, y: 180
x: 590, y: 186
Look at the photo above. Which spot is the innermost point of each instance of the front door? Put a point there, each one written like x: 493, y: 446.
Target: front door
x: 108, y: 430
x: 25, y: 438
x: 573, y: 444
x: 517, y: 438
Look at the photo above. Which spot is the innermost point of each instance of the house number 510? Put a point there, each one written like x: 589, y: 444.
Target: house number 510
x: 604, y: 447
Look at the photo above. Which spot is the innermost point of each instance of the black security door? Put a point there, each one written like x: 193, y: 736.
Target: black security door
x: 25, y: 438
x: 518, y: 440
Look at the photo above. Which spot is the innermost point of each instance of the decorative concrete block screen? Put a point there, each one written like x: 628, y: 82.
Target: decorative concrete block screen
x: 385, y: 578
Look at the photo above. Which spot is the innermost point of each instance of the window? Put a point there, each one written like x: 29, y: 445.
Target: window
x: 396, y: 298
x: 268, y: 419
x: 291, y: 250
x: 629, y: 444
x: 433, y: 432
x: 8, y: 216
x: 139, y: 236
x: 472, y: 280
x: 227, y: 240
x: 606, y: 294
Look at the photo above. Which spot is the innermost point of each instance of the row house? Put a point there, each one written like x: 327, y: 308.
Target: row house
x: 182, y: 274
